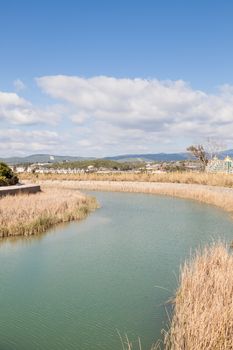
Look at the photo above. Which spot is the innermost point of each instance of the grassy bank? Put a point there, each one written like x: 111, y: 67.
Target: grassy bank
x: 223, y: 180
x: 203, y: 313
x: 30, y: 214
x: 218, y: 196
x: 203, y: 305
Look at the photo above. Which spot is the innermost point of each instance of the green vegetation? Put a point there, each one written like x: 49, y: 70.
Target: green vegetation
x: 97, y: 164
x: 7, y: 176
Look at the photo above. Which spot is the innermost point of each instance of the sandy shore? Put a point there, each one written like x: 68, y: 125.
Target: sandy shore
x: 218, y: 196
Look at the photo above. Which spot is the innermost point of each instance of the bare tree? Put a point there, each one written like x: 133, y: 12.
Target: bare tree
x: 214, y: 147
x: 200, y: 154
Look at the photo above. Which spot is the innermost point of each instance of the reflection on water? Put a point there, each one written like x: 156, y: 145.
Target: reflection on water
x: 76, y: 286
x: 25, y: 240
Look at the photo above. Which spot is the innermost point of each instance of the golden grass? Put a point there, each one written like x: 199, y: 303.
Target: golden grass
x: 224, y: 180
x: 203, y: 313
x: 30, y: 214
x: 203, y: 305
x: 218, y: 196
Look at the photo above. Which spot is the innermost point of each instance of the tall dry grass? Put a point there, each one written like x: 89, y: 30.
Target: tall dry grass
x: 30, y: 214
x: 203, y: 305
x: 218, y: 196
x: 203, y: 313
x: 224, y: 180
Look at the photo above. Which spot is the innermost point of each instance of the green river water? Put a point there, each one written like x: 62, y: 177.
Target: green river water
x: 75, y: 286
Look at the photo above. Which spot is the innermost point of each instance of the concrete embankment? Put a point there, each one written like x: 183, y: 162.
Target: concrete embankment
x: 12, y: 190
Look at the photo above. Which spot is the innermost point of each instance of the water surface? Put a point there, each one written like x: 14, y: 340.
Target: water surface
x: 74, y: 287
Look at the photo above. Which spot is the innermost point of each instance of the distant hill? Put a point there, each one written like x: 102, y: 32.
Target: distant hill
x: 41, y: 158
x: 149, y: 157
x: 229, y: 153
x: 47, y: 158
x: 159, y: 157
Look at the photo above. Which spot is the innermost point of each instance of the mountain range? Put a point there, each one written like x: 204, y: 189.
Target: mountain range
x: 40, y: 158
x: 159, y: 157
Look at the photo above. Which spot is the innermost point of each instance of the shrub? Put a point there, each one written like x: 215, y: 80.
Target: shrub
x: 7, y: 176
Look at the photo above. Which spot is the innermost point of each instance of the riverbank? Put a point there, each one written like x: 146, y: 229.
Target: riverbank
x: 31, y: 214
x: 203, y: 303
x: 199, y: 178
x: 194, y: 283
x: 203, y: 313
x: 218, y: 196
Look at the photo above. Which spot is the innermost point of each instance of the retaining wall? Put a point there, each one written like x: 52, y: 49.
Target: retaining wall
x: 12, y: 190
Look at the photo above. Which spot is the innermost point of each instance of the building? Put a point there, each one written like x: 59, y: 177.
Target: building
x: 224, y: 166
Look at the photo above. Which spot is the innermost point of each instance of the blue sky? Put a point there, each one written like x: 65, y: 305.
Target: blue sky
x: 108, y: 77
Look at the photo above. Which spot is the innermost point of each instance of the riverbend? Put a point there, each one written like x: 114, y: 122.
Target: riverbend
x: 77, y: 285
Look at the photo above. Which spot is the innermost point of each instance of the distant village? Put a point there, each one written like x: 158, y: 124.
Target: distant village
x: 214, y: 165
x: 147, y: 167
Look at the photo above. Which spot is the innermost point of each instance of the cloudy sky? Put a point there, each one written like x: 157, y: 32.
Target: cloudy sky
x: 98, y: 78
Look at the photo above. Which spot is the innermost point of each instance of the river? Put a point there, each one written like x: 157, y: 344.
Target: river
x: 80, y: 284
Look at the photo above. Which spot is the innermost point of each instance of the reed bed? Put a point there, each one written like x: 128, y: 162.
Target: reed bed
x: 31, y: 214
x: 203, y: 305
x: 218, y: 196
x: 203, y: 312
x: 200, y: 178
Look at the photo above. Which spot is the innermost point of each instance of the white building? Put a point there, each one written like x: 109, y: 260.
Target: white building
x: 224, y: 166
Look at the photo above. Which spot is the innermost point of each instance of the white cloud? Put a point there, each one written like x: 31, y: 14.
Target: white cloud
x: 19, y: 142
x: 150, y: 105
x: 102, y: 116
x: 11, y: 99
x: 19, y: 85
x: 16, y: 110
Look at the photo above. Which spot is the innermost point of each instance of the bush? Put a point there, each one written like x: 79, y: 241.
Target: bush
x: 7, y: 176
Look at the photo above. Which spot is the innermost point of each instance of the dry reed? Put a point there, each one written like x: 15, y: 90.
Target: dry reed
x: 219, y: 196
x: 224, y: 180
x: 203, y: 313
x: 203, y: 305
x: 30, y: 214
